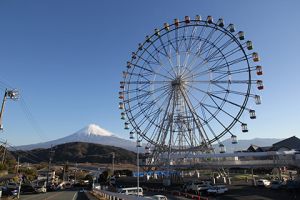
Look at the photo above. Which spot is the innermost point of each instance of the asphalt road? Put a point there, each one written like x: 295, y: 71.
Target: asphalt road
x: 59, y: 195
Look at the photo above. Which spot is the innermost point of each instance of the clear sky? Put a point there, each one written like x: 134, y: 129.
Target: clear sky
x: 66, y: 58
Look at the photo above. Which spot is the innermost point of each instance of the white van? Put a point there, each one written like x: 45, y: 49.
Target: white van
x: 132, y: 191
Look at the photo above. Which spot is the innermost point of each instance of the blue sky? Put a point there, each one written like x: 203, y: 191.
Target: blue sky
x: 66, y: 58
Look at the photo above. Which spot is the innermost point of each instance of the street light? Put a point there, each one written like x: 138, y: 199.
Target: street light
x: 10, y: 94
x: 138, y: 145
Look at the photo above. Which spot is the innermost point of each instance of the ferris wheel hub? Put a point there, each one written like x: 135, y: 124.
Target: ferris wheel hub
x: 178, y: 81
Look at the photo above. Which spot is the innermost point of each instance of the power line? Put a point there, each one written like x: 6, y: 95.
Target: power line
x: 31, y: 119
x: 19, y: 151
x: 27, y: 111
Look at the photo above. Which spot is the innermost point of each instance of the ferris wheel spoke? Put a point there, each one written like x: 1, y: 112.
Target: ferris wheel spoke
x: 200, y: 128
x: 232, y: 62
x: 205, y: 61
x: 222, y: 76
x: 134, y: 107
x: 225, y: 128
x: 176, y: 40
x: 206, y: 71
x: 209, y: 36
x: 158, y: 110
x: 200, y: 65
x: 232, y: 52
x: 183, y: 40
x: 190, y: 38
x: 141, y: 96
x: 147, y: 117
x: 152, y: 119
x: 147, y: 82
x: 142, y: 110
x: 151, y: 70
x: 152, y: 102
x: 199, y: 43
x: 170, y: 44
x: 158, y: 61
x: 155, y: 49
x: 199, y: 103
x: 226, y: 100
x: 163, y: 119
x: 168, y: 56
x: 235, y: 71
x: 227, y: 90
x: 242, y: 70
x: 155, y: 62
x: 219, y: 49
x: 206, y: 122
x: 210, y: 47
x: 220, y: 108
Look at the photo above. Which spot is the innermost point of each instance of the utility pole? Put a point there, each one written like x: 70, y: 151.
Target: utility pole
x: 11, y: 94
x: 4, y: 152
x: 49, y: 164
x: 113, y: 163
x: 75, y: 171
x: 18, y: 164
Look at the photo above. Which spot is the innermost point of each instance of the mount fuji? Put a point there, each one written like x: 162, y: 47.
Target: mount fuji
x: 90, y: 134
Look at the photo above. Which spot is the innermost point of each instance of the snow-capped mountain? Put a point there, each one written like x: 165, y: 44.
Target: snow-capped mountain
x: 92, y: 134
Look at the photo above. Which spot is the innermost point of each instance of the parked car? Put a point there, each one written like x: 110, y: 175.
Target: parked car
x: 67, y: 186
x: 217, y: 189
x: 263, y: 182
x: 159, y: 197
x: 8, y: 192
x: 276, y: 184
x: 40, y: 189
x: 27, y: 189
x: 12, y: 185
x: 50, y: 188
x: 197, y: 186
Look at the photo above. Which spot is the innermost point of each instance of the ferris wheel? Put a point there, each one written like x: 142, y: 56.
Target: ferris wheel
x: 188, y: 84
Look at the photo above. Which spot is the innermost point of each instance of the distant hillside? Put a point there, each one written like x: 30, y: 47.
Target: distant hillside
x: 80, y: 152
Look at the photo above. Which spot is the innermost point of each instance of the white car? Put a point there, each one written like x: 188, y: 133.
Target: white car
x: 263, y: 182
x: 40, y: 189
x: 218, y: 189
x: 159, y: 197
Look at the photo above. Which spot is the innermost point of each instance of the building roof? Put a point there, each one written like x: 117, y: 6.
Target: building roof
x: 255, y: 148
x: 290, y: 143
x: 263, y: 149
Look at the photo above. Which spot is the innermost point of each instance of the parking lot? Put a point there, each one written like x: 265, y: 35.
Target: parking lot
x: 243, y: 191
x: 247, y: 192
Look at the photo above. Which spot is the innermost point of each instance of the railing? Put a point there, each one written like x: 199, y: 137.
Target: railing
x: 177, y: 193
x: 117, y: 196
x: 239, y: 163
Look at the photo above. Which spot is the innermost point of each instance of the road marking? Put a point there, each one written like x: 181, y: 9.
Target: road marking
x: 75, y: 196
